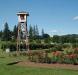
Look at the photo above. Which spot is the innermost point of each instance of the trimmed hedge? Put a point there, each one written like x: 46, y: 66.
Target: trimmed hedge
x: 12, y: 46
x: 40, y: 46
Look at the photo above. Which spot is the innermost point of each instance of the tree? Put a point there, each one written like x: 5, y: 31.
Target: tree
x: 56, y: 39
x: 36, y: 31
x: 30, y: 32
x: 46, y: 36
x: 43, y: 32
x: 1, y: 34
x: 15, y: 32
x: 6, y: 32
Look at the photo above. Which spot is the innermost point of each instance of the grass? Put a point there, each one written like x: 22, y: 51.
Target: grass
x: 17, y: 70
x: 20, y: 70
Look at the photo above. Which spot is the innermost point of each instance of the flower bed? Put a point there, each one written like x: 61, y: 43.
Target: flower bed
x: 56, y: 57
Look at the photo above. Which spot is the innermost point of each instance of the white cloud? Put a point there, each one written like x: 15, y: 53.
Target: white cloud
x: 54, y: 31
x: 75, y: 18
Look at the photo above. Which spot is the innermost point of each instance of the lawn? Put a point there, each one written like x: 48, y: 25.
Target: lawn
x: 23, y: 70
x: 17, y: 70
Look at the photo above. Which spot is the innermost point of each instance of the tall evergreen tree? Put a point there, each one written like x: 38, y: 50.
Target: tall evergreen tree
x: 15, y: 32
x: 43, y: 32
x: 1, y: 35
x: 30, y: 31
x: 6, y: 32
x: 36, y: 31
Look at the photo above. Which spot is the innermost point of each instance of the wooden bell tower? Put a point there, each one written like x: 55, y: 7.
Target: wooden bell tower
x: 22, y: 35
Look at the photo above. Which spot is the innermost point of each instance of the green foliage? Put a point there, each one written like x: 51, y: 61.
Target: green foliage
x: 72, y: 38
x: 75, y: 45
x: 47, y: 40
x: 8, y: 44
x: 57, y: 57
x: 70, y: 59
x: 43, y: 32
x: 1, y: 35
x: 36, y: 31
x: 40, y: 46
x: 15, y: 32
x: 40, y: 56
x: 66, y: 45
x: 33, y: 46
x: 56, y: 48
x: 6, y: 33
x: 30, y: 32
x: 45, y: 36
x: 76, y: 51
x: 56, y: 39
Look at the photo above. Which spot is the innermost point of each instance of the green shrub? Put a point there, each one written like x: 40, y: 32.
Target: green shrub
x: 40, y: 57
x: 70, y: 59
x: 57, y: 57
x: 66, y: 45
x: 56, y: 48
x: 40, y: 46
x: 75, y: 45
x: 76, y: 50
x: 11, y: 46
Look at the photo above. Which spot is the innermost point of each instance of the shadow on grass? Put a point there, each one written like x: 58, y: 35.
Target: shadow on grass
x: 13, y: 63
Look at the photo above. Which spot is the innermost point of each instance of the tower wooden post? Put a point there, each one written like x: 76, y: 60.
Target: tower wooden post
x: 22, y: 35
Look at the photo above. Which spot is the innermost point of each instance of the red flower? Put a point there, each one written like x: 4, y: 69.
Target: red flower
x: 72, y: 56
x: 57, y: 53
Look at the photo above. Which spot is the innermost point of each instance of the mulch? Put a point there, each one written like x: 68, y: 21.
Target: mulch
x: 45, y: 65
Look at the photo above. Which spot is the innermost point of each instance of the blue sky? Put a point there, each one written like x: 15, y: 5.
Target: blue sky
x: 54, y: 16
